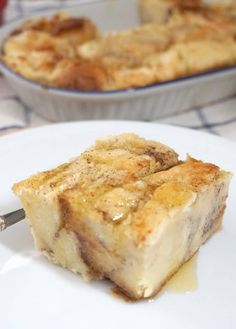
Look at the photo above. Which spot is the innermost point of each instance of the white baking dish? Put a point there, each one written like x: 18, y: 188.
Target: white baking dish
x: 144, y: 103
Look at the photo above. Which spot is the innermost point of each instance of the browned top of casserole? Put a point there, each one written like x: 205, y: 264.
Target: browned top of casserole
x: 177, y: 38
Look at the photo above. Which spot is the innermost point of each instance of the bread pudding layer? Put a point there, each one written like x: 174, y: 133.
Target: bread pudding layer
x: 111, y: 162
x: 126, y: 210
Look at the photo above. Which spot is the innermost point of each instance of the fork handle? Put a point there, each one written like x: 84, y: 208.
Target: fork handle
x: 11, y: 218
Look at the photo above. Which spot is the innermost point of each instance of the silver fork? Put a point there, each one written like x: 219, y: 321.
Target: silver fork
x: 11, y: 218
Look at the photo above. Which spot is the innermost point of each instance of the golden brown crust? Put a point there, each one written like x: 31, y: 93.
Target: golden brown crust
x: 125, y: 156
x: 61, y: 25
x: 81, y: 74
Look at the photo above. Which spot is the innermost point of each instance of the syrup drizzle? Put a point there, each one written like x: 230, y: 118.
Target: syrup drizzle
x: 185, y: 280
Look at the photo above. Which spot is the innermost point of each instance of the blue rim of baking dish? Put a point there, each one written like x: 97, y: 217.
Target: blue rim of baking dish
x: 70, y: 91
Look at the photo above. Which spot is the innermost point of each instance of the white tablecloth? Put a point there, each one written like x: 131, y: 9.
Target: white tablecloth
x: 218, y: 118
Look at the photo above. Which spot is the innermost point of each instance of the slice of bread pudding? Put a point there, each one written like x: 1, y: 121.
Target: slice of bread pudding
x: 127, y: 210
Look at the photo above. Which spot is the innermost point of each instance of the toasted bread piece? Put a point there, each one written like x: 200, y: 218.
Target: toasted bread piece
x: 126, y: 210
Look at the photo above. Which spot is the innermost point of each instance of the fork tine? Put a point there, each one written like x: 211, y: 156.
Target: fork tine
x: 11, y: 218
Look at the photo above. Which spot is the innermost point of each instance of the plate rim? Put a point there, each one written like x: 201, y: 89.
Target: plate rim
x: 28, y: 130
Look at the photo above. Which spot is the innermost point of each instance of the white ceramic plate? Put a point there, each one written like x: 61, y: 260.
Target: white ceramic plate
x: 37, y: 294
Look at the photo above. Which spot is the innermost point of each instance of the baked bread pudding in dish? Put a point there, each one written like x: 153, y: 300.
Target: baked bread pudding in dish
x: 155, y: 53
x: 177, y: 38
x: 126, y: 209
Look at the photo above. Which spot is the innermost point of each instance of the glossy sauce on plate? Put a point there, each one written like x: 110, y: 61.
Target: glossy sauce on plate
x: 185, y: 280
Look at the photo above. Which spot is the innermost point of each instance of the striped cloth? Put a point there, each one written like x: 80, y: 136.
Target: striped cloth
x: 218, y: 118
